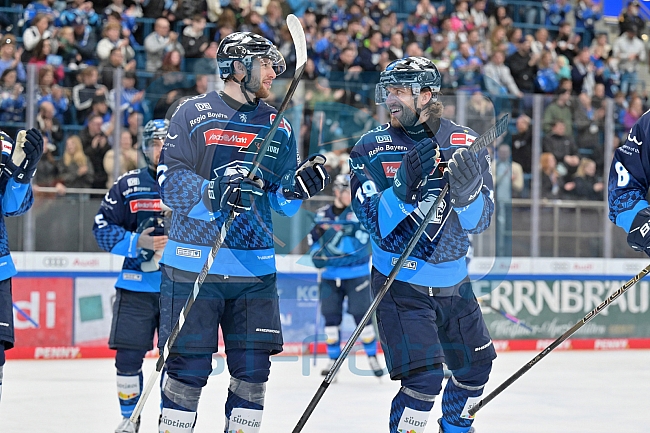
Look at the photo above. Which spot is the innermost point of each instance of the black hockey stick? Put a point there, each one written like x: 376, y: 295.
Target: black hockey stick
x: 593, y: 313
x: 298, y: 35
x: 481, y: 142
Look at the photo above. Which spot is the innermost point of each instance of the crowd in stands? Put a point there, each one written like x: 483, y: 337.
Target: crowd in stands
x: 501, y: 53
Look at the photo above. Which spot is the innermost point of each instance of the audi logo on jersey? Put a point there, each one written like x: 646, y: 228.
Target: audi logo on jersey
x: 152, y: 205
x: 226, y: 137
x: 390, y: 168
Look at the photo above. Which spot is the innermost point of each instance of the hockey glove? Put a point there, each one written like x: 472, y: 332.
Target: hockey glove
x: 417, y: 164
x: 310, y: 179
x: 639, y: 236
x: 463, y: 173
x: 25, y: 156
x: 235, y: 191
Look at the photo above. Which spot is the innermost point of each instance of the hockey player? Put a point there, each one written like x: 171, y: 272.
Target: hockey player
x: 629, y: 181
x: 19, y: 163
x: 341, y: 248
x: 130, y: 224
x: 211, y: 144
x: 430, y: 314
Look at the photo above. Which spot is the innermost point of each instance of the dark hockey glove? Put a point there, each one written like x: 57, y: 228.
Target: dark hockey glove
x: 417, y: 164
x: 639, y: 236
x: 465, y: 179
x: 235, y: 191
x: 310, y: 179
x: 25, y: 156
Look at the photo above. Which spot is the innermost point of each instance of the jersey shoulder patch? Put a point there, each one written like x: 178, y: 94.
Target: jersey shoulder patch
x: 454, y: 134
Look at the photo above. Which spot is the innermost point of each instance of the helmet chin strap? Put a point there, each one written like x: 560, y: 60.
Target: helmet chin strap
x: 245, y: 91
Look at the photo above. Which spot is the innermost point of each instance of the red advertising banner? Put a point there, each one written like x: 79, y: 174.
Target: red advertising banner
x: 43, y: 311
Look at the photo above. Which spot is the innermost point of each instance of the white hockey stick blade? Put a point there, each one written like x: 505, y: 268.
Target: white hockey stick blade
x: 299, y: 41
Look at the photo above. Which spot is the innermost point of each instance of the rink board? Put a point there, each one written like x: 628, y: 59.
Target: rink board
x: 64, y: 304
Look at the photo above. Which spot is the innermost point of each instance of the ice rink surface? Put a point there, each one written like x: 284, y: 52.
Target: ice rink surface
x: 572, y: 391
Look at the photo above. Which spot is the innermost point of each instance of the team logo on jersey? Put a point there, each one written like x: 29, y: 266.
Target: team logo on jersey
x: 188, y: 252
x: 152, y: 205
x: 283, y: 124
x: 631, y: 138
x: 243, y: 117
x: 408, y: 264
x: 226, y: 137
x: 390, y: 168
x: 203, y: 106
x: 6, y: 145
x: 384, y: 139
x: 133, y: 182
x: 461, y: 139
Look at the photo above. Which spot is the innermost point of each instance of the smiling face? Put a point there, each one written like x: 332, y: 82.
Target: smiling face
x: 262, y: 77
x: 401, y: 105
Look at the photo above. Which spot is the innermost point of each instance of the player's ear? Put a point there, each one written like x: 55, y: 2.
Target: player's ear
x: 240, y: 69
x: 425, y: 96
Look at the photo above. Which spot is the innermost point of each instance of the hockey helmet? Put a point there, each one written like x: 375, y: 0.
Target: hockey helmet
x: 417, y: 73
x: 245, y: 47
x: 341, y: 182
x: 154, y: 129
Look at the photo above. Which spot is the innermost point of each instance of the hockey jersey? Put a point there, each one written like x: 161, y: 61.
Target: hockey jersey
x: 207, y: 139
x: 629, y: 175
x: 438, y: 258
x: 130, y: 206
x: 339, y: 244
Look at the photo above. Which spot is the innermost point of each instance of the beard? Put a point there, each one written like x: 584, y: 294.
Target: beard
x: 255, y: 86
x: 407, y: 117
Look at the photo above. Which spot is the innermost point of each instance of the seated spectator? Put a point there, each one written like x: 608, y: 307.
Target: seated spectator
x: 273, y: 21
x: 75, y: 171
x: 582, y: 73
x: 480, y: 112
x: 43, y: 7
x: 193, y: 40
x: 10, y: 56
x: 559, y: 109
x: 37, y: 31
x: 80, y: 9
x: 523, y: 66
x: 498, y: 40
x: 497, y: 78
x: 514, y: 35
x: 587, y: 13
x: 47, y: 170
x: 501, y: 18
x: 441, y: 56
x: 566, y: 42
x: 630, y: 52
x: 96, y: 151
x: 556, y: 13
x: 107, y: 68
x: 542, y: 43
x: 207, y: 63
x: 602, y: 42
x: 45, y: 82
x: 633, y: 113
x: 160, y: 42
x: 49, y: 126
x: 479, y: 18
x: 12, y: 99
x: 370, y: 53
x: 552, y: 182
x: 85, y: 40
x: 226, y: 25
x: 128, y: 158
x: 478, y: 45
x: 345, y: 77
x: 42, y: 56
x: 93, y: 133
x: 83, y: 93
x: 522, y: 143
x: 68, y: 50
x: 132, y: 98
x: 112, y: 40
x: 59, y: 99
x: 134, y: 125
x: 563, y: 148
x: 467, y: 67
x: 630, y: 18
x: 587, y: 184
x: 99, y: 107
x: 508, y: 176
x: 425, y: 10
x: 589, y: 123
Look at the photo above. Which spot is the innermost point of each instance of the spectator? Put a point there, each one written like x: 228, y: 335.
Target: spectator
x: 498, y: 40
x: 345, y: 77
x: 12, y: 100
x: 396, y: 46
x: 273, y: 21
x: 467, y: 67
x: 588, y: 186
x: 523, y: 66
x: 83, y: 93
x: 42, y: 7
x: 68, y: 50
x: 239, y: 13
x: 370, y: 53
x: 107, y: 68
x: 185, y: 10
x: 160, y: 42
x: 514, y: 35
x: 75, y: 171
x: 328, y: 50
x: 45, y: 82
x: 93, y: 132
x: 630, y: 51
x: 479, y: 18
x: 589, y: 123
x: 460, y: 18
x: 441, y: 56
x: 99, y: 107
x: 542, y: 43
x: 57, y: 97
x: 208, y: 63
x: 522, y: 143
x: 42, y: 56
x: 598, y: 100
x: 556, y: 13
x: 96, y: 150
x: 423, y: 30
x: 498, y: 79
x: 480, y: 113
x: 425, y: 10
x: 80, y: 9
x: 111, y: 40
x: 587, y: 13
x: 582, y: 73
x: 132, y: 98
x: 413, y: 49
x: 10, y: 56
x: 478, y: 45
x: 47, y: 170
x: 48, y: 124
x: 602, y: 41
x: 501, y: 18
x: 128, y: 158
x: 634, y: 111
x: 225, y: 25
x: 566, y: 43
x: 563, y: 148
x: 508, y: 183
x: 559, y: 110
x: 630, y: 19
x: 85, y: 40
x: 37, y: 31
x: 552, y: 183
x: 193, y: 40
x: 133, y: 126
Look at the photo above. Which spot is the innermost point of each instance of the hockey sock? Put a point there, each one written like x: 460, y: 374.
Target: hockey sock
x: 179, y: 404
x: 129, y: 387
x: 409, y: 411
x: 460, y: 394
x: 333, y: 341
x: 244, y: 406
x: 369, y: 340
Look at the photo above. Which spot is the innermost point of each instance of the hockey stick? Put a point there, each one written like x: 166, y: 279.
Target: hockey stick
x: 298, y: 35
x: 510, y: 317
x: 481, y: 142
x: 593, y: 313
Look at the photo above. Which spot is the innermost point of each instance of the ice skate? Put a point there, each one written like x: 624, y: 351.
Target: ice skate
x: 126, y: 426
x: 374, y: 365
x: 471, y: 429
x: 328, y: 367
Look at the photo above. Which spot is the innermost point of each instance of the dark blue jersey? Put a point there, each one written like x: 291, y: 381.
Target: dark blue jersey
x: 207, y: 139
x: 127, y: 209
x: 629, y: 175
x: 438, y: 259
x: 339, y: 244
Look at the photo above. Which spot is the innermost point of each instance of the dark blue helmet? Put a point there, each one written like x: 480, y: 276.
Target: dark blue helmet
x: 154, y: 129
x: 244, y: 47
x: 417, y: 73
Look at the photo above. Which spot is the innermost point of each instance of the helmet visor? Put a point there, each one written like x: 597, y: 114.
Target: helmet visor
x: 277, y: 60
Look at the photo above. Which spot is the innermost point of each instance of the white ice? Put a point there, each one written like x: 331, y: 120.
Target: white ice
x: 574, y: 392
